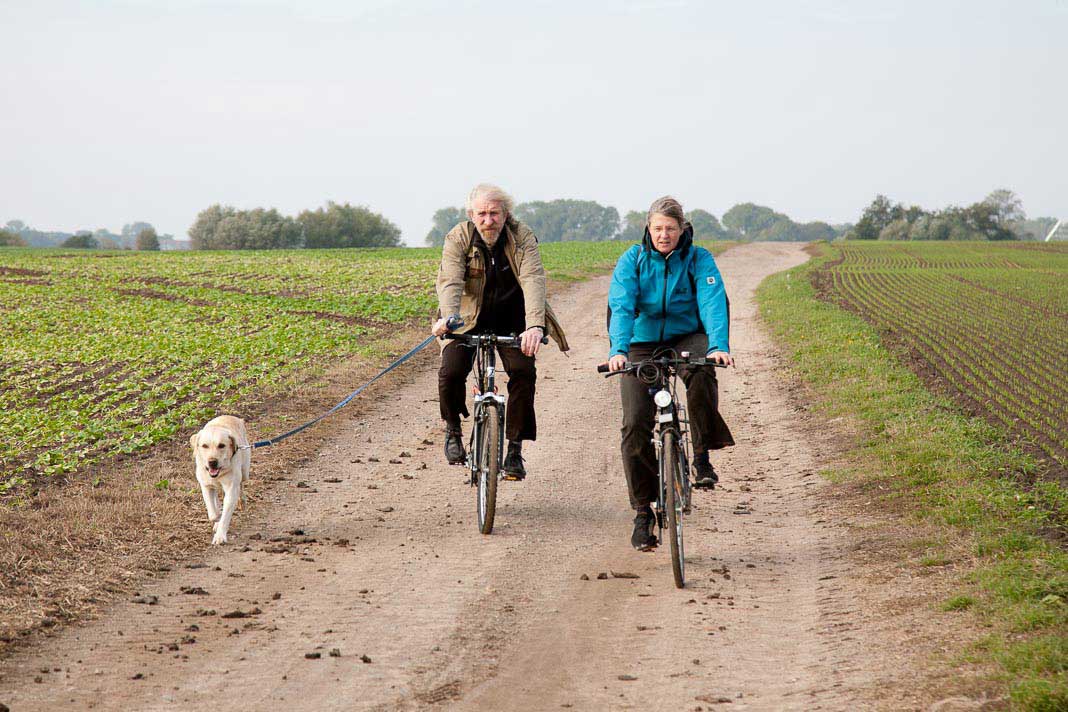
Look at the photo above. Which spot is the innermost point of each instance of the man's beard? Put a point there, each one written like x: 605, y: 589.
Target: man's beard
x: 490, y: 236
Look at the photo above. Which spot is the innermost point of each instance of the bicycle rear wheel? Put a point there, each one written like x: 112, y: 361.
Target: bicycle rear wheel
x: 674, y: 501
x: 489, y: 462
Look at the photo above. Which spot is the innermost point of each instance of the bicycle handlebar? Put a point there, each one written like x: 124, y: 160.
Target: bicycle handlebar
x: 454, y: 322
x: 662, y: 361
x: 491, y: 338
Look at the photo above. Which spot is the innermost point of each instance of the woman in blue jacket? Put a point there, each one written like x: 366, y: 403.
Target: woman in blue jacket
x: 667, y: 293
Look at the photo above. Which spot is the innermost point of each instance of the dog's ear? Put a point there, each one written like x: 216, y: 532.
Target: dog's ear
x: 193, y: 439
x: 233, y: 445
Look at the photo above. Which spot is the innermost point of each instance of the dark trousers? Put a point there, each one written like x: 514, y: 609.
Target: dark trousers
x: 708, y: 430
x: 456, y: 362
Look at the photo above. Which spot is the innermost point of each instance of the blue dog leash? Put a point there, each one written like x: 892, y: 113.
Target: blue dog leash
x: 454, y: 322
x: 348, y: 398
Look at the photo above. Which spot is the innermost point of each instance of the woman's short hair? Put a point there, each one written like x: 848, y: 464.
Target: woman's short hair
x: 667, y: 206
x: 488, y: 191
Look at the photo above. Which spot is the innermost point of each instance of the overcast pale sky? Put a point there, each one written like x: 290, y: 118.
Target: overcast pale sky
x: 151, y: 110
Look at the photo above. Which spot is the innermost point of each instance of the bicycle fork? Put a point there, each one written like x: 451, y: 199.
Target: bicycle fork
x: 666, y: 420
x: 683, y: 441
x: 672, y: 416
x: 481, y: 412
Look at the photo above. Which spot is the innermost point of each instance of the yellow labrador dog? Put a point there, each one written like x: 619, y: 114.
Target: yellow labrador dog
x: 223, y: 458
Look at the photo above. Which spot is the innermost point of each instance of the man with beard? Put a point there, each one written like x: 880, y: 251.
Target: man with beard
x: 491, y: 275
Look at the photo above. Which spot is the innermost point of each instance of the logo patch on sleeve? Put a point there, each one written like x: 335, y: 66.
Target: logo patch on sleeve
x: 710, y: 280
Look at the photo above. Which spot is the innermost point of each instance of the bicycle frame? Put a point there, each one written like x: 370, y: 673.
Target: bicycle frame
x: 487, y: 432
x: 486, y: 446
x: 485, y: 390
x: 670, y: 418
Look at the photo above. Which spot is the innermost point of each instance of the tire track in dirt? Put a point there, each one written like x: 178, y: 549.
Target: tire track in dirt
x: 380, y: 562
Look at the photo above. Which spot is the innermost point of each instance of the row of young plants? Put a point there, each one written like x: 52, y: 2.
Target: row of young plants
x: 111, y: 353
x: 997, y: 522
x: 988, y: 319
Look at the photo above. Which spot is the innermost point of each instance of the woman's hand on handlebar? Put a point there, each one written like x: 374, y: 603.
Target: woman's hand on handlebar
x: 617, y: 363
x: 721, y: 357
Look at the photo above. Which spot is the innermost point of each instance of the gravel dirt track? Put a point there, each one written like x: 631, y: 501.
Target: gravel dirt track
x: 377, y: 567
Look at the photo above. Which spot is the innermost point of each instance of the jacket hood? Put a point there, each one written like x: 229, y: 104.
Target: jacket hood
x: 685, y: 242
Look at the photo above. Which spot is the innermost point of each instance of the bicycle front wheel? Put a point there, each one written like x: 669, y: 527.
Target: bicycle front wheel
x: 489, y: 465
x: 674, y: 502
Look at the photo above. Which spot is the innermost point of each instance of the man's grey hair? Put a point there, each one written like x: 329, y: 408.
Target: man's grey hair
x: 488, y: 191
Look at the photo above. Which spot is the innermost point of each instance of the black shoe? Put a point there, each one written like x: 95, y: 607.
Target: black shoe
x: 643, y: 538
x: 705, y: 477
x: 454, y: 446
x: 513, y: 462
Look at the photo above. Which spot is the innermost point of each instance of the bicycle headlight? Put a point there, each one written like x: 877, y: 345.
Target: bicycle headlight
x: 662, y: 399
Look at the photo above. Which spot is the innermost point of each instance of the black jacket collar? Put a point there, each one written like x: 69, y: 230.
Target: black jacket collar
x: 685, y: 242
x: 482, y: 245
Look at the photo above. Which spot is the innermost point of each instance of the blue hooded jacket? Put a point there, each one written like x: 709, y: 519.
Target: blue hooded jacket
x: 652, y: 296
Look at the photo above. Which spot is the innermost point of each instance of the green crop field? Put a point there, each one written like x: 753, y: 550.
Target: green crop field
x: 988, y: 319
x: 107, y: 353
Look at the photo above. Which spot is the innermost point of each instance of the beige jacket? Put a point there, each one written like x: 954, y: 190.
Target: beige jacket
x: 462, y: 277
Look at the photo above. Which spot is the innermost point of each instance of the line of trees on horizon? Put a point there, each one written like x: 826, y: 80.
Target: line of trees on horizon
x: 224, y: 227
x: 565, y: 220
x: 998, y: 216
x: 134, y: 236
x: 146, y: 241
x: 220, y: 227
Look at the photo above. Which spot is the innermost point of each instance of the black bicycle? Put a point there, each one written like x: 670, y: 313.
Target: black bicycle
x: 672, y: 439
x: 485, y: 451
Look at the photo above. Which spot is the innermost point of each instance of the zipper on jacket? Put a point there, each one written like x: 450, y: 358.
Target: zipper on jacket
x: 663, y: 301
x: 487, y: 260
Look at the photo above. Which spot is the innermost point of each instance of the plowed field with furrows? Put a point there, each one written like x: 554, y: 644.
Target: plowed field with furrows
x: 989, y: 321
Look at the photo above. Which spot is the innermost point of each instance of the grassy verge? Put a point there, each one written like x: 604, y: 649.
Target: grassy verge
x: 935, y: 466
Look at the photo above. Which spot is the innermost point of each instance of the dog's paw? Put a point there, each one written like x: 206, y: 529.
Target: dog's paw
x: 218, y: 539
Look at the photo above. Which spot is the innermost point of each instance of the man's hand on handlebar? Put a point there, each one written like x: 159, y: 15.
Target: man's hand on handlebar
x: 440, y: 327
x: 446, y: 324
x: 720, y: 357
x: 617, y: 363
x: 530, y: 340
